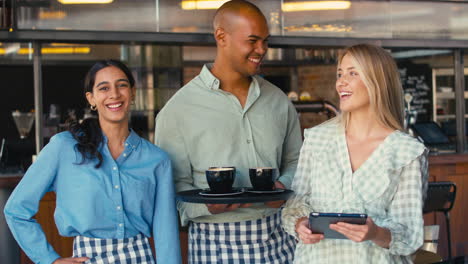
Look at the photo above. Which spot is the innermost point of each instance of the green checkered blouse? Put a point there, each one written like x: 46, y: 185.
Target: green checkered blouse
x: 389, y: 186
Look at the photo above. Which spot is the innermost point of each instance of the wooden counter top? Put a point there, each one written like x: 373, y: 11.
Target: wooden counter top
x: 448, y: 159
x: 10, y: 180
x: 453, y: 168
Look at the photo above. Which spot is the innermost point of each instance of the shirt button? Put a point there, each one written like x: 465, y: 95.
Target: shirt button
x: 116, y: 186
x: 118, y: 207
x: 126, y: 144
x: 125, y: 155
x: 114, y: 168
x: 248, y: 141
x: 120, y: 224
x: 216, y: 82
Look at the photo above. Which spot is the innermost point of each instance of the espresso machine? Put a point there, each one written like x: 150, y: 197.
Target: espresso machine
x: 411, y: 115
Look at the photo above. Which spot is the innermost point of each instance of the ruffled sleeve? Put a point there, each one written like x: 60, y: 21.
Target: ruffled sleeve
x: 404, y: 217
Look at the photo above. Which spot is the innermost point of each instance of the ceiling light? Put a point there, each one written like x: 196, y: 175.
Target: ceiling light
x: 70, y: 2
x: 319, y: 28
x: 78, y: 50
x: 202, y: 4
x: 51, y: 14
x: 12, y: 48
x: 70, y: 50
x: 315, y: 5
x: 2, y: 51
x: 55, y: 44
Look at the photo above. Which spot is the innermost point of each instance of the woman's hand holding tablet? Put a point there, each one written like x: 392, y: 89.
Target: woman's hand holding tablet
x: 305, y: 234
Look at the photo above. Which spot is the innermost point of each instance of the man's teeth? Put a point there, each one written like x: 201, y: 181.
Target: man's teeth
x: 114, y: 105
x: 345, y: 93
x: 254, y: 60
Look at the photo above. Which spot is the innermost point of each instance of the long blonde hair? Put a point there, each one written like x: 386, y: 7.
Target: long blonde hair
x: 380, y: 75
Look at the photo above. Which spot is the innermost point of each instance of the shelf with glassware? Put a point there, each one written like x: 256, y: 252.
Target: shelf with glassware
x: 444, y: 95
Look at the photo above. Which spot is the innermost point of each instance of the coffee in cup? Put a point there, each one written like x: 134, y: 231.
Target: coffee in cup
x: 263, y: 178
x: 220, y: 179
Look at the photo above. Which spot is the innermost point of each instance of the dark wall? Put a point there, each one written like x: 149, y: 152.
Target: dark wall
x: 62, y: 85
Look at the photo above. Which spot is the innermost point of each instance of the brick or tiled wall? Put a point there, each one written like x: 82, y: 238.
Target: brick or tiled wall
x: 319, y: 81
x: 190, y: 73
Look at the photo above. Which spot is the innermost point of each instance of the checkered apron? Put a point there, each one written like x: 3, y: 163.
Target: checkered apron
x: 133, y: 250
x: 255, y: 241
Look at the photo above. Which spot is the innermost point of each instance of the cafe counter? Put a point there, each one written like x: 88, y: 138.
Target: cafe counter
x: 9, y: 250
x: 445, y: 167
x: 453, y: 168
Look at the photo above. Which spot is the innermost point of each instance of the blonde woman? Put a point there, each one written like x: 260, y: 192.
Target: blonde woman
x: 361, y: 162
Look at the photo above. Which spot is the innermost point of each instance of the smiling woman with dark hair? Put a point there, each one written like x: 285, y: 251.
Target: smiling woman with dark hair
x: 114, y: 189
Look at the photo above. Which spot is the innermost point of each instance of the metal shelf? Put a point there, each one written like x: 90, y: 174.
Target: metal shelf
x: 446, y: 117
x: 169, y: 38
x: 444, y: 98
x: 449, y: 95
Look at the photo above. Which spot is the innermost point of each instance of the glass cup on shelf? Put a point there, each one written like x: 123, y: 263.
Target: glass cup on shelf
x: 23, y: 122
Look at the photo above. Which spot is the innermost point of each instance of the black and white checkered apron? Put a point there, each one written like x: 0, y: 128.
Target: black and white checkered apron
x: 255, y: 241
x: 133, y: 250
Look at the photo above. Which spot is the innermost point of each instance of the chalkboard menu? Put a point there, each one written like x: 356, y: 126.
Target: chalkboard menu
x: 416, y: 80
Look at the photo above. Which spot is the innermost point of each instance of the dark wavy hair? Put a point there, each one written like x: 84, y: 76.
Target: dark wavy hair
x: 88, y: 134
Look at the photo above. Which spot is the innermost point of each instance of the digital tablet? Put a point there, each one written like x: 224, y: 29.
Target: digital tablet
x: 320, y: 223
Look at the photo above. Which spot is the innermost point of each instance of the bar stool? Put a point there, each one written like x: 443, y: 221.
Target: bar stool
x: 440, y: 198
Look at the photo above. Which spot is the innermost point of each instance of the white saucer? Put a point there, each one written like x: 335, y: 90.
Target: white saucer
x: 271, y: 192
x: 208, y: 192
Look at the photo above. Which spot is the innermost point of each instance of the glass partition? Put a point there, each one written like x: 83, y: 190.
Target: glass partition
x: 356, y: 19
x: 109, y: 15
x: 376, y: 19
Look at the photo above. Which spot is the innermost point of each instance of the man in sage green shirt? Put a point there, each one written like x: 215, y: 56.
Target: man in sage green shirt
x: 228, y: 116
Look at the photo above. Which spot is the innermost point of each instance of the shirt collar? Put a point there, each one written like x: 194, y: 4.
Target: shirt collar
x: 132, y: 141
x: 210, y: 81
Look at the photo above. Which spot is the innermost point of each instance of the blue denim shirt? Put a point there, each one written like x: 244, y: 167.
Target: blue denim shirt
x: 124, y: 197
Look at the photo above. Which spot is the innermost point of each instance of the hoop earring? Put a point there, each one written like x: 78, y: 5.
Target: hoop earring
x: 93, y: 107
